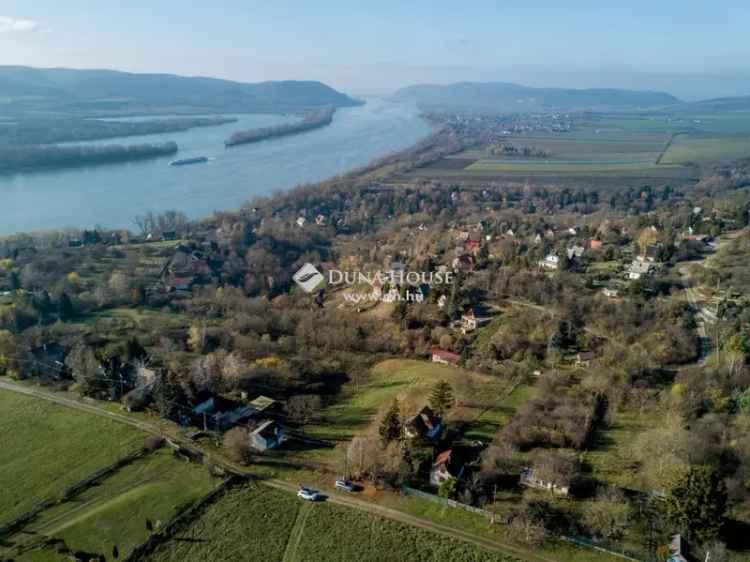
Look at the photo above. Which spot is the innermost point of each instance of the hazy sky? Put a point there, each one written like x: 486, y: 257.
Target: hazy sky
x: 691, y: 48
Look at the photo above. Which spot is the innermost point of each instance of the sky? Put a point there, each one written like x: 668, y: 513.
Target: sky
x: 692, y: 49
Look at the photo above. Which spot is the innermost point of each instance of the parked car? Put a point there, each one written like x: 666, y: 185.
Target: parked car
x: 309, y: 494
x: 345, y: 485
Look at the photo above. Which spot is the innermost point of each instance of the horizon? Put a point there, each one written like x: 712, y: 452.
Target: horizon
x: 378, y: 50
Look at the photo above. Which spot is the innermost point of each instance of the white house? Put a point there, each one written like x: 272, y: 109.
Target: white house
x: 301, y: 221
x: 268, y: 435
x: 552, y: 261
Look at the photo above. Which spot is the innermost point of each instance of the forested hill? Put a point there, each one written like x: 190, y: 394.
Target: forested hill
x: 505, y: 96
x: 25, y: 88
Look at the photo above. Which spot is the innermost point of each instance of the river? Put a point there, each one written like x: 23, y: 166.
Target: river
x: 111, y: 195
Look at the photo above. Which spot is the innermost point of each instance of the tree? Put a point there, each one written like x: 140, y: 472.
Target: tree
x: 441, y: 397
x: 87, y: 371
x: 697, y: 502
x: 447, y: 488
x: 390, y: 427
x: 8, y: 350
x: 608, y: 516
x: 236, y: 442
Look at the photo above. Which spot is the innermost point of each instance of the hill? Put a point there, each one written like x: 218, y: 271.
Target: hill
x: 63, y: 89
x: 505, y: 96
x: 740, y: 103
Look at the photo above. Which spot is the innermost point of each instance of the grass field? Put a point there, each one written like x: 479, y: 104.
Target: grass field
x: 252, y: 524
x: 114, y: 513
x: 702, y: 148
x: 248, y: 523
x: 627, y: 146
x: 408, y: 380
x: 47, y: 448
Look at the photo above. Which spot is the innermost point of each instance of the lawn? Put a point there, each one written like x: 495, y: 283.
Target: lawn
x: 47, y: 447
x: 250, y: 524
x: 247, y: 523
x: 409, y: 381
x: 707, y: 148
x: 333, y: 533
x: 114, y: 513
x: 610, y: 458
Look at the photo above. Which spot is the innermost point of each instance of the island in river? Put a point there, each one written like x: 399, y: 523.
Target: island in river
x: 314, y: 120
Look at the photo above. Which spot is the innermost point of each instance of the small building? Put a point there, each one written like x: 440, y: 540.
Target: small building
x: 584, y: 358
x: 551, y: 261
x: 473, y: 319
x: 426, y: 425
x: 264, y: 405
x: 267, y: 435
x: 611, y: 293
x: 223, y: 421
x: 320, y: 220
x: 442, y: 300
x: 463, y: 262
x: 531, y: 479
x: 301, y: 221
x: 440, y: 355
x: 178, y: 283
x: 575, y: 252
x: 595, y: 244
x: 677, y: 549
x: 444, y: 468
x: 640, y: 267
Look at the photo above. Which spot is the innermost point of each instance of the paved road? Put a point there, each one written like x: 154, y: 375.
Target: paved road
x: 335, y: 498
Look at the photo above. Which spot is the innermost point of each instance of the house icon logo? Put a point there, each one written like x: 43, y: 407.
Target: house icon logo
x: 308, y: 277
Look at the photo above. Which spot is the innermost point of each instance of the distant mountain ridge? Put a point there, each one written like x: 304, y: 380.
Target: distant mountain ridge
x: 101, y: 90
x: 506, y: 96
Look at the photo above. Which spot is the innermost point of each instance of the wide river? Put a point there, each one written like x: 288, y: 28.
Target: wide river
x: 111, y: 195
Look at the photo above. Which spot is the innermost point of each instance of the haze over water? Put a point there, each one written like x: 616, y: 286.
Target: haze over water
x: 111, y: 195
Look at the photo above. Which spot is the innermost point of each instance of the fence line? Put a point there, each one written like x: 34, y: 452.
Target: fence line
x: 579, y: 541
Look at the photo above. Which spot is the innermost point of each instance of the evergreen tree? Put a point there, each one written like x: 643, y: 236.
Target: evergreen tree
x: 441, y: 397
x: 697, y: 503
x: 390, y: 426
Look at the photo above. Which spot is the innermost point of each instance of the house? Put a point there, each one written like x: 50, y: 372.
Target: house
x: 639, y: 268
x: 208, y: 406
x: 264, y: 405
x: 442, y: 300
x: 611, y: 293
x: 474, y: 247
x: 320, y: 220
x: 426, y: 425
x: 575, y: 252
x: 177, y: 283
x: 472, y: 320
x: 228, y: 419
x: 463, y: 262
x: 267, y: 435
x: 301, y: 221
x: 595, y: 244
x: 444, y: 468
x: 551, y: 261
x: 444, y: 356
x: 584, y: 358
x: 531, y: 479
x: 677, y: 549
x: 538, y: 239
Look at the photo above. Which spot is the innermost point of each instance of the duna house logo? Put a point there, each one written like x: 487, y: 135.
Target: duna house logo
x: 308, y: 277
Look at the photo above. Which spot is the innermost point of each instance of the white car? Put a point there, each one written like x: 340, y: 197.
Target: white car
x: 309, y: 495
x: 344, y: 485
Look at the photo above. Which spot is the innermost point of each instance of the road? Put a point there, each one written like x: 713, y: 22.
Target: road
x: 339, y: 499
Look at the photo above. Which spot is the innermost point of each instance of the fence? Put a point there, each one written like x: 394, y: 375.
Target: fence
x: 579, y: 541
x: 444, y: 501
